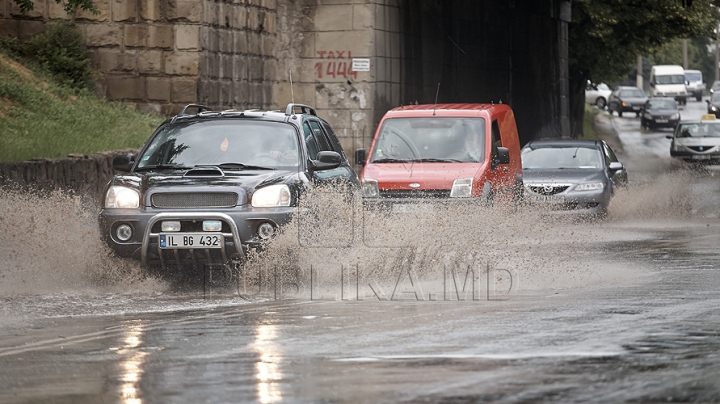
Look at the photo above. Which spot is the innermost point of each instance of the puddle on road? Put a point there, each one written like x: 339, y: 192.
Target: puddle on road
x: 50, y: 246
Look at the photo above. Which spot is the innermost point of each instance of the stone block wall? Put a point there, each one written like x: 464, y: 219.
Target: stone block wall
x: 317, y: 45
x: 85, y: 174
x: 164, y: 54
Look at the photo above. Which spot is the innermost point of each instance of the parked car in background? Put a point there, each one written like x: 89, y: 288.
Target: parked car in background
x: 694, y: 84
x: 713, y: 104
x: 565, y: 176
x: 627, y: 99
x: 715, y: 87
x: 668, y: 81
x: 443, y: 153
x: 659, y: 112
x: 697, y: 141
x: 597, y: 94
x: 208, y: 187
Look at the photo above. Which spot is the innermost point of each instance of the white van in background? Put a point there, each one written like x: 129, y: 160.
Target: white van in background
x: 694, y: 84
x: 668, y: 81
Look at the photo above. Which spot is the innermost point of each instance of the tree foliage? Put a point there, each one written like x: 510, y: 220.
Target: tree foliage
x: 606, y: 36
x: 70, y: 6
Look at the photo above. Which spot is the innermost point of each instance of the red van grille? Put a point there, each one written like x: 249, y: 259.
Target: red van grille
x: 411, y: 193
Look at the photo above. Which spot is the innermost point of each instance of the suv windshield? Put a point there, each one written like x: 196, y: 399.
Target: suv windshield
x: 186, y: 145
x: 552, y: 157
x: 430, y: 140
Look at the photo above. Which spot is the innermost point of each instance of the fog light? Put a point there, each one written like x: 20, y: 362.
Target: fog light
x: 265, y: 231
x: 123, y: 232
x: 170, y: 226
x: 212, y: 225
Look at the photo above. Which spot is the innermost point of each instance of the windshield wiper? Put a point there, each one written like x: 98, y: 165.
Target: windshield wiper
x: 389, y: 160
x: 235, y: 166
x: 436, y: 160
x: 162, y: 167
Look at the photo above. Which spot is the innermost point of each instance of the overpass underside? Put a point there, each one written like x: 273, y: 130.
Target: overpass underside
x: 514, y: 52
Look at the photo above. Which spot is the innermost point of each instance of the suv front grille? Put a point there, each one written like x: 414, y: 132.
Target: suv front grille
x: 194, y: 200
x: 408, y: 193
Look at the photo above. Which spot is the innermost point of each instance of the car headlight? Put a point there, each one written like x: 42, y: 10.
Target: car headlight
x: 713, y: 108
x: 647, y: 116
x: 675, y: 116
x: 370, y: 188
x: 590, y: 186
x: 461, y: 188
x: 270, y: 196
x: 119, y: 197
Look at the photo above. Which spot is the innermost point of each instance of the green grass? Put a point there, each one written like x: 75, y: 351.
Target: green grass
x: 589, y: 131
x: 39, y: 119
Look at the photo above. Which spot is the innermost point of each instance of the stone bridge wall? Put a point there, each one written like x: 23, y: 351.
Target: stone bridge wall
x: 86, y: 174
x: 164, y: 54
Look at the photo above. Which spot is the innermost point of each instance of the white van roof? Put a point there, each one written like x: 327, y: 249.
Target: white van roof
x: 668, y: 69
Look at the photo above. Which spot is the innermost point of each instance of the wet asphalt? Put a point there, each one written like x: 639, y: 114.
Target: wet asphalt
x: 643, y: 325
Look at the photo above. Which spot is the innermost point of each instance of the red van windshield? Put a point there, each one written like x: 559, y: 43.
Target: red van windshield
x: 445, y: 139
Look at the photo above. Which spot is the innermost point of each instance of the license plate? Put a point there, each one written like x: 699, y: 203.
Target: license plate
x: 411, y: 208
x: 661, y: 120
x: 548, y: 199
x: 191, y: 240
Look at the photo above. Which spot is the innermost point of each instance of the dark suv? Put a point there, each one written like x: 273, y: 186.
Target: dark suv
x: 210, y: 186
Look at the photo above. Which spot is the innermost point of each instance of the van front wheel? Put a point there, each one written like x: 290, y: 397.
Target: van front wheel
x: 486, y: 197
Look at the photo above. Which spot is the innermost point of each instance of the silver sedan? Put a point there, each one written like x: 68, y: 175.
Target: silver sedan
x: 571, y: 176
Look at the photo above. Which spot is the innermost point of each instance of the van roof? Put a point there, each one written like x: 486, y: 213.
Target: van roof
x: 667, y: 67
x: 455, y: 109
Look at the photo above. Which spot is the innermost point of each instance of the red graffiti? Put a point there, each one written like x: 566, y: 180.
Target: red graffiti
x: 335, y: 68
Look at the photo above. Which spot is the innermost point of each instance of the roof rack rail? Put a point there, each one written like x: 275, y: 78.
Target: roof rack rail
x: 304, y: 109
x: 200, y: 108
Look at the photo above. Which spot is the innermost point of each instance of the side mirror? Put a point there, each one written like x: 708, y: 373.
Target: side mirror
x: 615, y: 166
x: 652, y: 84
x: 503, y: 155
x: 668, y: 136
x: 326, y: 160
x: 360, y: 156
x: 708, y: 102
x: 123, y: 162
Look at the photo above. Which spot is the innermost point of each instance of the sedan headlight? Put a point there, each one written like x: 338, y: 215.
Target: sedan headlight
x: 370, y: 188
x: 675, y: 116
x: 119, y: 197
x: 461, y: 188
x: 713, y: 108
x: 647, y: 115
x: 271, y: 196
x: 590, y: 186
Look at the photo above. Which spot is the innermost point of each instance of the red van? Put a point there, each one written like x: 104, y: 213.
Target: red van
x: 444, y: 151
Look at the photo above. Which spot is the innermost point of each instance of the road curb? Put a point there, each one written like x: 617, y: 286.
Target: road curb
x: 604, y: 125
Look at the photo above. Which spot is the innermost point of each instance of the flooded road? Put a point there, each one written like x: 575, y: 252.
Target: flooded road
x: 621, y: 310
